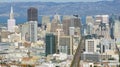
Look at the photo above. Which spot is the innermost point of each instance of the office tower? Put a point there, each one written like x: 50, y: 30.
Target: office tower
x: 71, y: 31
x: 111, y: 25
x: 101, y: 26
x: 48, y: 28
x: 89, y: 20
x: 105, y: 19
x: 50, y: 40
x: 11, y: 21
x: 91, y: 45
x: 66, y: 44
x: 66, y: 24
x: 55, y: 22
x: 89, y: 25
x: 25, y: 34
x: 117, y: 29
x: 32, y: 14
x: 45, y: 21
x: 75, y: 21
x: 33, y: 31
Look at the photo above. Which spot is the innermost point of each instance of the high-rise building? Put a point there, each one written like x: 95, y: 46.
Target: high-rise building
x: 25, y: 34
x: 75, y: 21
x: 66, y: 24
x: 29, y: 31
x: 105, y: 19
x: 11, y: 21
x: 50, y: 41
x: 71, y: 31
x: 55, y: 22
x: 45, y: 21
x: 117, y: 29
x: 32, y: 14
x: 66, y: 44
x: 91, y: 45
x: 101, y: 26
x: 89, y: 25
x: 33, y: 31
x: 89, y: 20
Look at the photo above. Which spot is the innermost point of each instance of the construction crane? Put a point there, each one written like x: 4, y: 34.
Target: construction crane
x: 76, y: 60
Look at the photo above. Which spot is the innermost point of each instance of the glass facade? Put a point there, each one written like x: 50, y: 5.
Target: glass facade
x: 50, y: 44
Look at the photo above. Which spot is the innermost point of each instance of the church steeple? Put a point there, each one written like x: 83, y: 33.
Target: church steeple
x: 11, y: 13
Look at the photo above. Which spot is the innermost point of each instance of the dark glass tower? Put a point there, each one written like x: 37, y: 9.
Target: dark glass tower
x: 50, y: 41
x: 32, y: 14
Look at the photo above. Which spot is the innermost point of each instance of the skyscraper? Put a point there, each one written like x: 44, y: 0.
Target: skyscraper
x: 50, y: 41
x: 45, y: 21
x: 32, y: 14
x: 33, y: 31
x: 55, y: 22
x: 11, y: 21
x: 66, y: 24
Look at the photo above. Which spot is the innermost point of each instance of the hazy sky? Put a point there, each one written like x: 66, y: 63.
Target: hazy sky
x: 52, y: 0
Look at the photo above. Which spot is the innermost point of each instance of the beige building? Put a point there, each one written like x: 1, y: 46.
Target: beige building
x: 117, y: 29
x: 16, y: 37
x: 4, y: 36
x: 66, y: 44
x: 66, y: 24
x: 55, y: 22
x: 45, y: 20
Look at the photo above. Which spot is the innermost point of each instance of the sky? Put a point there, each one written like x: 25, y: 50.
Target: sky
x: 52, y: 0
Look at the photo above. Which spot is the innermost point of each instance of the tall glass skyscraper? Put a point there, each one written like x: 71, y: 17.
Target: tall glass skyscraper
x: 50, y: 41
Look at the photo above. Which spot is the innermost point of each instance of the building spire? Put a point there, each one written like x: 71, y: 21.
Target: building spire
x: 11, y: 13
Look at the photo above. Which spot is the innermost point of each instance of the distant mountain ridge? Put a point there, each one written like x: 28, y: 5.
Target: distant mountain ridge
x: 69, y: 8
x: 50, y: 8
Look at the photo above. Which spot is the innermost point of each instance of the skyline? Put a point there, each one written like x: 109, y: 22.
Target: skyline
x: 52, y: 0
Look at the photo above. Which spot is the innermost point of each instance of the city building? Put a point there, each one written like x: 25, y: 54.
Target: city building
x: 89, y: 25
x: 117, y: 29
x: 66, y: 24
x: 33, y: 31
x: 66, y: 45
x: 4, y: 36
x: 75, y: 21
x: 101, y: 26
x: 14, y: 37
x: 45, y: 21
x: 92, y: 45
x: 89, y: 20
x: 25, y: 34
x: 11, y: 21
x: 72, y: 31
x: 55, y: 21
x: 51, y: 42
x: 32, y: 14
x: 90, y: 57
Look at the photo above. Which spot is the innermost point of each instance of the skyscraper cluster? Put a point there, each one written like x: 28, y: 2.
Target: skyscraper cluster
x: 61, y: 35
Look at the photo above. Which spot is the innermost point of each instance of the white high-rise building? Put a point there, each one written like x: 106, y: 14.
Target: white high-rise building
x: 91, y: 45
x: 33, y: 31
x: 11, y: 21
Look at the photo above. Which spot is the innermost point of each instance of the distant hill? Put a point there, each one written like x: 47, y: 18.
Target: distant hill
x: 70, y: 8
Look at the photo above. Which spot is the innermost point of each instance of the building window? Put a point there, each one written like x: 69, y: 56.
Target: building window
x: 90, y: 46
